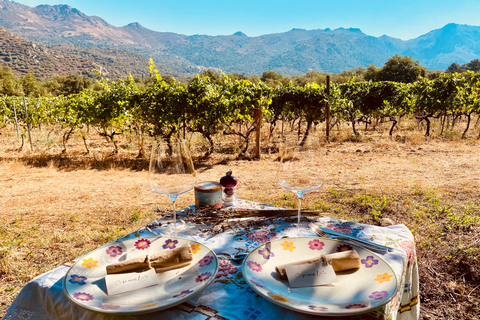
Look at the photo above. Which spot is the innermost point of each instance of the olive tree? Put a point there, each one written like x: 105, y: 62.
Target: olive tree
x: 400, y: 69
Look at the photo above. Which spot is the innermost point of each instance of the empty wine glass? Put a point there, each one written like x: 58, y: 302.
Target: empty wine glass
x: 300, y: 169
x: 171, y: 171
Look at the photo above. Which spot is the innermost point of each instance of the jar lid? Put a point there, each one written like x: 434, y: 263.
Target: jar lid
x: 208, y: 186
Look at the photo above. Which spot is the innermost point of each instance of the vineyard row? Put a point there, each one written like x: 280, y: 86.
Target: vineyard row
x: 212, y: 106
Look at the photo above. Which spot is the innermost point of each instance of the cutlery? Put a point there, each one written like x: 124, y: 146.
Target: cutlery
x: 239, y: 257
x: 269, y: 213
x: 323, y: 232
x: 236, y: 258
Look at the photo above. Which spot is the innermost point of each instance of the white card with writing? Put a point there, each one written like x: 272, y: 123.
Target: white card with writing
x: 124, y: 282
x: 311, y: 274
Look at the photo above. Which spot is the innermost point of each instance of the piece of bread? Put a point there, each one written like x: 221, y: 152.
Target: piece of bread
x: 162, y: 261
x: 340, y: 261
x: 136, y: 264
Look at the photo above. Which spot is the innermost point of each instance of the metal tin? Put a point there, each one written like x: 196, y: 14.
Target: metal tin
x: 208, y: 194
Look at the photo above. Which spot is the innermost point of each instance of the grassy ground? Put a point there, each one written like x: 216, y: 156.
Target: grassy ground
x: 55, y: 207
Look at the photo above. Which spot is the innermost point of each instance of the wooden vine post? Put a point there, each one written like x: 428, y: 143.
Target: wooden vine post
x: 327, y: 111
x: 258, y: 115
x: 16, y: 120
x: 28, y: 123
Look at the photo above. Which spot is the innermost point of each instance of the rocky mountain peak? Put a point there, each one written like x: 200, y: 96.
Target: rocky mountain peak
x: 59, y: 12
x: 240, y: 34
x: 135, y: 25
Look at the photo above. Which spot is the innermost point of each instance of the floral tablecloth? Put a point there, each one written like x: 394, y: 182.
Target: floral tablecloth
x: 229, y: 296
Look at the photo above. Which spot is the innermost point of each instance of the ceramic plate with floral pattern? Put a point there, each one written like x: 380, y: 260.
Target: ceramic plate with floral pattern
x: 357, y: 291
x: 84, y: 283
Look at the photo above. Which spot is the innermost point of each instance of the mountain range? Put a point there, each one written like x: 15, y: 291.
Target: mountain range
x: 126, y: 49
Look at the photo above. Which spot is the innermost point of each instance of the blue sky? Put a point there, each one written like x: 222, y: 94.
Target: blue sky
x: 404, y: 19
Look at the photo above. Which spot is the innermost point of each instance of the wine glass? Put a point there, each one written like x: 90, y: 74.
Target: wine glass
x: 171, y: 171
x: 300, y: 169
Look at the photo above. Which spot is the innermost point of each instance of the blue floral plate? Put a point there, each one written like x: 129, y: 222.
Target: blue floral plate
x: 357, y: 291
x: 84, y: 283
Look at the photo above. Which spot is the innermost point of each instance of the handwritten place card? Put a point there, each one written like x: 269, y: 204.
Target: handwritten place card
x: 310, y: 274
x: 124, y: 282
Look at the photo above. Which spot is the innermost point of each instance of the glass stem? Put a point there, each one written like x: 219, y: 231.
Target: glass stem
x: 174, y: 218
x: 299, y: 215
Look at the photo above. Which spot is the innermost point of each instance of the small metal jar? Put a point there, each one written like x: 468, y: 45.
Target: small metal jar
x: 208, y: 194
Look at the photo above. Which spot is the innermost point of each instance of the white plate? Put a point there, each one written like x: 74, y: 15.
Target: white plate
x: 84, y: 283
x: 357, y: 291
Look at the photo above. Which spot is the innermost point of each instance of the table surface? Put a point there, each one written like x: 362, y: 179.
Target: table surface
x: 229, y: 296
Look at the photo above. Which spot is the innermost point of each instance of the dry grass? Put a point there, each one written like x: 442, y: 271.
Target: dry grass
x: 55, y: 207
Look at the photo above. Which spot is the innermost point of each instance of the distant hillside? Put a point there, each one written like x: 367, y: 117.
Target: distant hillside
x: 118, y: 62
x: 24, y: 56
x: 59, y: 25
x: 442, y: 47
x: 290, y: 53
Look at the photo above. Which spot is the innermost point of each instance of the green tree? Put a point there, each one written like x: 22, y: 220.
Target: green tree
x: 310, y: 77
x: 31, y: 86
x: 237, y: 76
x: 371, y: 74
x: 72, y: 84
x: 455, y: 68
x: 51, y: 86
x: 271, y: 78
x: 9, y: 84
x: 215, y: 77
x: 431, y: 75
x: 401, y: 69
x: 358, y: 73
x: 473, y: 65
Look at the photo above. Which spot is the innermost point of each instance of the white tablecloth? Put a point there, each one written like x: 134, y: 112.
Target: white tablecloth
x: 229, y: 296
